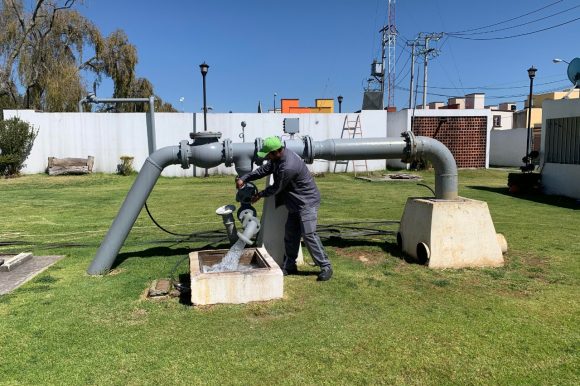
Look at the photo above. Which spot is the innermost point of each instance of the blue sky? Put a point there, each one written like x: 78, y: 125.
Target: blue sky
x: 323, y: 48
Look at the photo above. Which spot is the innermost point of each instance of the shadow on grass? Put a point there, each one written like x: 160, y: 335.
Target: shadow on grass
x: 559, y: 201
x: 387, y: 246
x: 163, y: 251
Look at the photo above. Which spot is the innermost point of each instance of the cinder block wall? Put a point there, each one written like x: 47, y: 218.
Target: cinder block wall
x: 466, y: 137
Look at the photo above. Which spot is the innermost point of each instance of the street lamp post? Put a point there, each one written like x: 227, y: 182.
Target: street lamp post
x: 557, y: 60
x: 275, y: 95
x: 204, y: 67
x: 529, y: 141
x: 339, y: 103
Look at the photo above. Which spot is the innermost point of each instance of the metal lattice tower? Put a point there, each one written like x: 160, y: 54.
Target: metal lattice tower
x: 390, y: 36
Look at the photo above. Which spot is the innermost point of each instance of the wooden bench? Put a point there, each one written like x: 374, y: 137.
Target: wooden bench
x: 61, y: 166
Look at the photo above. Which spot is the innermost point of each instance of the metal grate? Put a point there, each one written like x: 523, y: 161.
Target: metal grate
x: 563, y: 140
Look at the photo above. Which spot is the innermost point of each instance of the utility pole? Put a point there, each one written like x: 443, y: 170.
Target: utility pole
x: 426, y: 52
x: 388, y: 44
x: 413, y: 46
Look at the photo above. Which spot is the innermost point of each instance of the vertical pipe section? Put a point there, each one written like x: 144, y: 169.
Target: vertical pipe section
x: 131, y: 207
x: 444, y: 164
x: 151, y: 140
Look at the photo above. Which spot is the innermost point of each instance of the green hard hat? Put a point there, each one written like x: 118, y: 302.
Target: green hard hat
x: 270, y: 144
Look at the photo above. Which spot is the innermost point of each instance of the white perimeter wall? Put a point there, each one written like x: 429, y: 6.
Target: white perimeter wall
x: 561, y: 179
x: 107, y: 137
x: 507, y: 147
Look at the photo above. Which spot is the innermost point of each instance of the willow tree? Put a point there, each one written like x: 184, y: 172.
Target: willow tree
x: 42, y: 50
x: 42, y: 53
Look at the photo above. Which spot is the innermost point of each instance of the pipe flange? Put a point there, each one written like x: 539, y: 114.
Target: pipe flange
x: 410, y: 150
x: 184, y: 153
x: 228, y: 152
x: 205, y: 137
x: 308, y: 149
x: 258, y: 143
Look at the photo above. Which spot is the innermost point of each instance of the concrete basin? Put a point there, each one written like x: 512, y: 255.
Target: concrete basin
x: 263, y: 281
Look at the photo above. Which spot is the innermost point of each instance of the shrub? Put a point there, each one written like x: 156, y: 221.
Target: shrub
x: 16, y: 140
x: 125, y: 168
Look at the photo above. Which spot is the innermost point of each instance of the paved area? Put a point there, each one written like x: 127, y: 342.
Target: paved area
x: 23, y: 273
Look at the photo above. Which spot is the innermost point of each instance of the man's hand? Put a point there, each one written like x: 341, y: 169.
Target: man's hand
x: 239, y: 183
x: 255, y: 198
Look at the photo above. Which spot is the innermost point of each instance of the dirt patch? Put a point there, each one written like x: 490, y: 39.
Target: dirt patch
x: 364, y: 257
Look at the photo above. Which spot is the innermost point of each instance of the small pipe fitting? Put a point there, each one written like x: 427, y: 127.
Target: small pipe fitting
x: 226, y: 212
x: 251, y: 226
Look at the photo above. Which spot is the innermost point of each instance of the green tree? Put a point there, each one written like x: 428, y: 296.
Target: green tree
x: 42, y: 53
x: 16, y: 140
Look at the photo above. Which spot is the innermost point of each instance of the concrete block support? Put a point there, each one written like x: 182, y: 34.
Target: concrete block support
x: 273, y: 228
x: 450, y: 233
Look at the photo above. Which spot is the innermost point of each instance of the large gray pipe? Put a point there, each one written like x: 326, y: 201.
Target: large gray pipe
x: 213, y: 153
x: 131, y: 207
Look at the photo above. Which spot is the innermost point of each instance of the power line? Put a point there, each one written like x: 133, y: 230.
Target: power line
x: 494, y: 88
x: 518, y: 35
x: 490, y: 96
x: 517, y: 25
x: 508, y: 20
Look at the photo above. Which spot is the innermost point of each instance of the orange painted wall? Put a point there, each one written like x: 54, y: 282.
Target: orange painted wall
x: 287, y: 104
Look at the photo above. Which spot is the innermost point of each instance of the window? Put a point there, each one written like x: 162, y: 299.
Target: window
x: 563, y: 140
x: 497, y: 121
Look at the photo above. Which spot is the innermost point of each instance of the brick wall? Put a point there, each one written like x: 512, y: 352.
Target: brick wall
x: 465, y: 136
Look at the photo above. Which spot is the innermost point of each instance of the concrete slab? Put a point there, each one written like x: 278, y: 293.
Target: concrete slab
x: 28, y: 270
x: 13, y: 262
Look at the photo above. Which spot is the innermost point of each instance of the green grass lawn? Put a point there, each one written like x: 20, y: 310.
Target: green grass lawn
x: 382, y: 321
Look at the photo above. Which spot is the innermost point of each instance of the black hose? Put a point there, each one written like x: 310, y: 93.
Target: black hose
x: 428, y: 187
x: 160, y: 227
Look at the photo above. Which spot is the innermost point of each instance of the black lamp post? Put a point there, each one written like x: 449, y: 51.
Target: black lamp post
x: 275, y: 94
x: 339, y: 103
x: 204, y: 67
x: 532, y: 75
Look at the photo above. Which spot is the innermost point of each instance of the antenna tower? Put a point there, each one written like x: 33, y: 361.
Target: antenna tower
x: 390, y: 39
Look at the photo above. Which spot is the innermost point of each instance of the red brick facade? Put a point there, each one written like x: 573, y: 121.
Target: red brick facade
x: 466, y: 137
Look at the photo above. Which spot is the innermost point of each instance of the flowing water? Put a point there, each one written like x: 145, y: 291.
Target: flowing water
x: 231, y: 260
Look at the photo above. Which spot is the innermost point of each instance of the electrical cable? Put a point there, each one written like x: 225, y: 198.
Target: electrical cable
x: 494, y: 88
x: 160, y: 227
x: 517, y: 25
x: 517, y: 35
x: 428, y: 187
x: 508, y: 20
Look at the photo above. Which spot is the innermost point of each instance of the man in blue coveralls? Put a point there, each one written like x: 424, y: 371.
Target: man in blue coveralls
x: 294, y: 187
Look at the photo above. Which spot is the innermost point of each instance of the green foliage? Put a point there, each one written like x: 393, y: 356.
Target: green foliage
x: 125, y: 168
x: 43, y: 49
x: 16, y: 140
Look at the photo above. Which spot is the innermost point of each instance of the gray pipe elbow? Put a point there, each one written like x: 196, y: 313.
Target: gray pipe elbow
x: 161, y: 158
x: 444, y: 164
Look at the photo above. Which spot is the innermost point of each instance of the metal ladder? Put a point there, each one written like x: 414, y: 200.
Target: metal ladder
x: 352, y: 129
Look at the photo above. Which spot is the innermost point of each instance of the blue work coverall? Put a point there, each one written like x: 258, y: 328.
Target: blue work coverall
x: 294, y: 186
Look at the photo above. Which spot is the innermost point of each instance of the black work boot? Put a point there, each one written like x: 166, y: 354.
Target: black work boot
x: 325, y: 273
x: 293, y: 270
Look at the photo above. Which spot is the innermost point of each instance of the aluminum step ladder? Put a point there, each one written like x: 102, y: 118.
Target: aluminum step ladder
x: 352, y: 129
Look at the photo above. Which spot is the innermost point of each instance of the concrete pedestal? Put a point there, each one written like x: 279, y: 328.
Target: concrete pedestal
x: 450, y: 234
x: 272, y: 227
